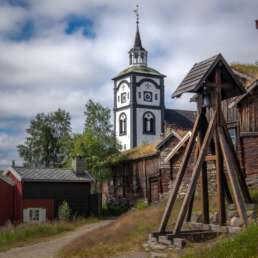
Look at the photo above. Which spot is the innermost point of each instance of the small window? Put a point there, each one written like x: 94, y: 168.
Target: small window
x: 123, y: 97
x: 122, y: 124
x: 118, y: 98
x: 233, y: 135
x: 34, y: 214
x: 124, y: 146
x: 139, y: 95
x: 156, y: 96
x: 148, y: 123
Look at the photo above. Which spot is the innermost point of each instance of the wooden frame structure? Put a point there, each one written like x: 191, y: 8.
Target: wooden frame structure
x: 212, y: 80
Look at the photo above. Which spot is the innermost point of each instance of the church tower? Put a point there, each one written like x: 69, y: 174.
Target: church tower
x: 138, y: 99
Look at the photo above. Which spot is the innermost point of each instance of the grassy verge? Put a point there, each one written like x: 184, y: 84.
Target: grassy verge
x: 125, y: 234
x: 30, y: 233
x: 243, y: 245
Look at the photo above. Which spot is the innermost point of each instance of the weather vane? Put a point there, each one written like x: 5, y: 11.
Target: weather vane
x: 137, y: 14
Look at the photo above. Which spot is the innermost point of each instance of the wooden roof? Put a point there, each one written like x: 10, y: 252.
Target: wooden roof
x: 203, y: 73
x: 249, y: 90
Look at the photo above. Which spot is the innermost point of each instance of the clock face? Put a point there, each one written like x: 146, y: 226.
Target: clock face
x: 147, y: 96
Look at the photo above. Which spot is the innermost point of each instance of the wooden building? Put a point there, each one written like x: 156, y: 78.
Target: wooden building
x: 148, y: 170
x: 34, y: 195
x: 145, y: 174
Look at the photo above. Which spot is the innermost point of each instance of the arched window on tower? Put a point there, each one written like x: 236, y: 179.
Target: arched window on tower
x: 122, y: 124
x: 148, y: 123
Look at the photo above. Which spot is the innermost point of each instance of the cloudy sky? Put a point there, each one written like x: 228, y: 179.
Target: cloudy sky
x: 60, y: 53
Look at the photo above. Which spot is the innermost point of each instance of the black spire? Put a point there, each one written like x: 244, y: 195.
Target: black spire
x: 137, y: 55
x: 137, y: 40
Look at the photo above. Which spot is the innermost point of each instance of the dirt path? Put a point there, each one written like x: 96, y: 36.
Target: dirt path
x: 50, y: 247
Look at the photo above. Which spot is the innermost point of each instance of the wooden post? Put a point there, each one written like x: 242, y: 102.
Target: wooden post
x: 238, y: 195
x: 204, y: 176
x: 220, y: 182
x: 219, y: 158
x: 195, y: 175
x: 179, y: 177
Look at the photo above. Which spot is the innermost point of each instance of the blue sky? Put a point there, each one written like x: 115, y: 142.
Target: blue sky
x: 61, y: 53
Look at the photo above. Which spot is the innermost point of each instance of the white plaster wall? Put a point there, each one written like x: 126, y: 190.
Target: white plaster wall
x: 123, y: 88
x: 124, y: 139
x: 139, y: 78
x: 147, y: 138
x: 128, y: 79
x: 147, y: 86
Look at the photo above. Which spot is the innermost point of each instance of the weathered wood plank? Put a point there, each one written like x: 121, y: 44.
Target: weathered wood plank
x: 238, y: 195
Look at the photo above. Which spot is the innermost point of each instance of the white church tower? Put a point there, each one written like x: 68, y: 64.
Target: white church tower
x: 138, y: 99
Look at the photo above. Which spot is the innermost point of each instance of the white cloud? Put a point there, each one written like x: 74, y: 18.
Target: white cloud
x: 53, y: 70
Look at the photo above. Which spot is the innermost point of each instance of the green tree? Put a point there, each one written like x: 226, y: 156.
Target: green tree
x: 97, y: 144
x: 49, y: 140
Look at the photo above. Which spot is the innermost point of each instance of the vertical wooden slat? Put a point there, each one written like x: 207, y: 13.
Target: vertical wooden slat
x: 179, y: 177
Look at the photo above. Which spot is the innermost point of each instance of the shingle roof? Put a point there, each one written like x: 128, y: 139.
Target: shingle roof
x: 52, y: 175
x: 180, y: 118
x: 7, y: 180
x: 201, y: 72
x: 139, y: 69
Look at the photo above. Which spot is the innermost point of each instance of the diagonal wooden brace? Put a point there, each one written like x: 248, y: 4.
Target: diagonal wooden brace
x: 196, y: 174
x: 179, y: 177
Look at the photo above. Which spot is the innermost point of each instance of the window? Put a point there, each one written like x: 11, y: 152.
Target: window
x: 233, y: 135
x: 31, y: 215
x: 147, y: 96
x: 156, y: 96
x: 148, y: 123
x: 118, y: 98
x: 139, y: 95
x: 124, y: 146
x: 123, y: 97
x: 122, y: 124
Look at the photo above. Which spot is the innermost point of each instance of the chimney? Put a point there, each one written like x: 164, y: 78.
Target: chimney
x: 78, y: 165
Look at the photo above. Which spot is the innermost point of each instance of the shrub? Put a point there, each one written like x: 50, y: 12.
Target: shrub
x: 115, y: 207
x: 141, y: 204
x: 64, y: 211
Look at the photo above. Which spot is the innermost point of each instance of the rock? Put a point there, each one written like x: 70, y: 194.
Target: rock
x: 234, y: 230
x: 236, y: 222
x: 164, y: 240
x: 179, y: 243
x: 196, y: 217
x: 231, y: 207
x: 156, y: 246
x: 158, y: 255
x: 231, y: 214
x: 215, y: 218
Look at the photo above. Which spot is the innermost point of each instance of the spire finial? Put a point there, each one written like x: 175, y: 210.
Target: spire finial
x: 137, y: 14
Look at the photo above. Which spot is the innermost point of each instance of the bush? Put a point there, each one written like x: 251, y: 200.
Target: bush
x: 141, y: 204
x: 64, y: 211
x: 115, y: 207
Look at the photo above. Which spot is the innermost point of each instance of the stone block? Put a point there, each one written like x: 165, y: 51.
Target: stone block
x: 234, y: 230
x: 236, y: 222
x: 179, y: 243
x: 164, y: 240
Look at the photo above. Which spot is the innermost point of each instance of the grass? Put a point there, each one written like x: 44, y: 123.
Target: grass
x: 31, y: 233
x: 243, y: 245
x: 131, y: 230
x: 127, y: 233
